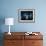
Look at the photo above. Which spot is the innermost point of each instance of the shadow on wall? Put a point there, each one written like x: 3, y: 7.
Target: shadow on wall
x: 2, y: 21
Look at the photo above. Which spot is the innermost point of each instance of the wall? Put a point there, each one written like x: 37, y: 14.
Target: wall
x: 9, y: 8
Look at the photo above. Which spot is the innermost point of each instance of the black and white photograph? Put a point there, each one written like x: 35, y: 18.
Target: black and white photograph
x: 26, y: 15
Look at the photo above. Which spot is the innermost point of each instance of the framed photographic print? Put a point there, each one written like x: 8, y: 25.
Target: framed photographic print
x: 26, y: 15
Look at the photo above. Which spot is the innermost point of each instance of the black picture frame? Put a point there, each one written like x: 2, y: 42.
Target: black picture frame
x: 26, y: 15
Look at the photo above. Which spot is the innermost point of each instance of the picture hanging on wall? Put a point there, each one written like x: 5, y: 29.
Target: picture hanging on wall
x: 26, y: 15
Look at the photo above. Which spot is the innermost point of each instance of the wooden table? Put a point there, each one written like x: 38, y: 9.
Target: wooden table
x: 20, y: 39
